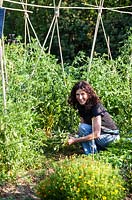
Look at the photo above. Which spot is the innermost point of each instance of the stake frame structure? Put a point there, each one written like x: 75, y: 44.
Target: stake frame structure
x: 54, y: 22
x: 25, y: 5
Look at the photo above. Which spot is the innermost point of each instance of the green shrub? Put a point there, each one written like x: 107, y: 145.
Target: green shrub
x: 120, y: 155
x: 82, y: 178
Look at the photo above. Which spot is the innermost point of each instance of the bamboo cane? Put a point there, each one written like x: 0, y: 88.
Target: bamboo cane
x: 2, y: 74
x: 2, y: 67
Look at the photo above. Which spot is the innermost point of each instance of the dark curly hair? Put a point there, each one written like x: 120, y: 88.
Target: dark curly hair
x: 93, y: 99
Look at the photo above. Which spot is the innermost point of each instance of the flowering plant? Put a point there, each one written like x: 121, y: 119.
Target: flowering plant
x: 82, y: 178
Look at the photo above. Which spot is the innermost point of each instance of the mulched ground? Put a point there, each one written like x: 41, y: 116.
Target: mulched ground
x: 22, y: 189
x: 17, y: 192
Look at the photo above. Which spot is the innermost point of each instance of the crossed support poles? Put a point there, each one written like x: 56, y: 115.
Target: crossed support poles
x: 54, y: 24
x: 99, y: 19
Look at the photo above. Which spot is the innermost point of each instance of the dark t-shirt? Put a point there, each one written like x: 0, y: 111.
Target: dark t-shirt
x: 88, y: 114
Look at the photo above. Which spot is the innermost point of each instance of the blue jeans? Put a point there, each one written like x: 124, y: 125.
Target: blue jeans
x: 93, y: 146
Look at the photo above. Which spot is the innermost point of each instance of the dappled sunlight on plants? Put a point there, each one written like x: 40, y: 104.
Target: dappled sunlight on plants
x: 82, y: 177
x: 38, y: 119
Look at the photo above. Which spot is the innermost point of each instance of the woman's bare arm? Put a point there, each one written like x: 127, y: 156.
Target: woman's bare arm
x: 96, y: 130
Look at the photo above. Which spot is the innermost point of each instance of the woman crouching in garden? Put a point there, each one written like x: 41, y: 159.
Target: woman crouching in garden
x: 96, y: 129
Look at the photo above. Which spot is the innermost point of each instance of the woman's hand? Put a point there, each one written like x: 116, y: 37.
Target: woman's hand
x: 71, y: 140
x: 81, y: 120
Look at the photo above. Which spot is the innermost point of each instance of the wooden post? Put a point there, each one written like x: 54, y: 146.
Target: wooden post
x: 2, y: 74
x: 95, y: 34
x: 1, y: 3
x: 1, y: 55
x: 25, y: 8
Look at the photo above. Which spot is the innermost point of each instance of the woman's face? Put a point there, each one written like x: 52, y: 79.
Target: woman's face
x: 81, y: 96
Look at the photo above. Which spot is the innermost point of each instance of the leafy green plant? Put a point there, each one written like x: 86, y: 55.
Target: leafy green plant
x: 119, y: 154
x: 38, y: 115
x: 82, y: 178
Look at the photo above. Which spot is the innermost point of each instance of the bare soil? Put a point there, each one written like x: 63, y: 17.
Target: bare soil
x: 22, y: 189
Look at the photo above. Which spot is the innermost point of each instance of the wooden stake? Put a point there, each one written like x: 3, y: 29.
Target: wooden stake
x: 2, y: 74
x: 25, y: 8
x: 2, y: 67
x: 1, y: 3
